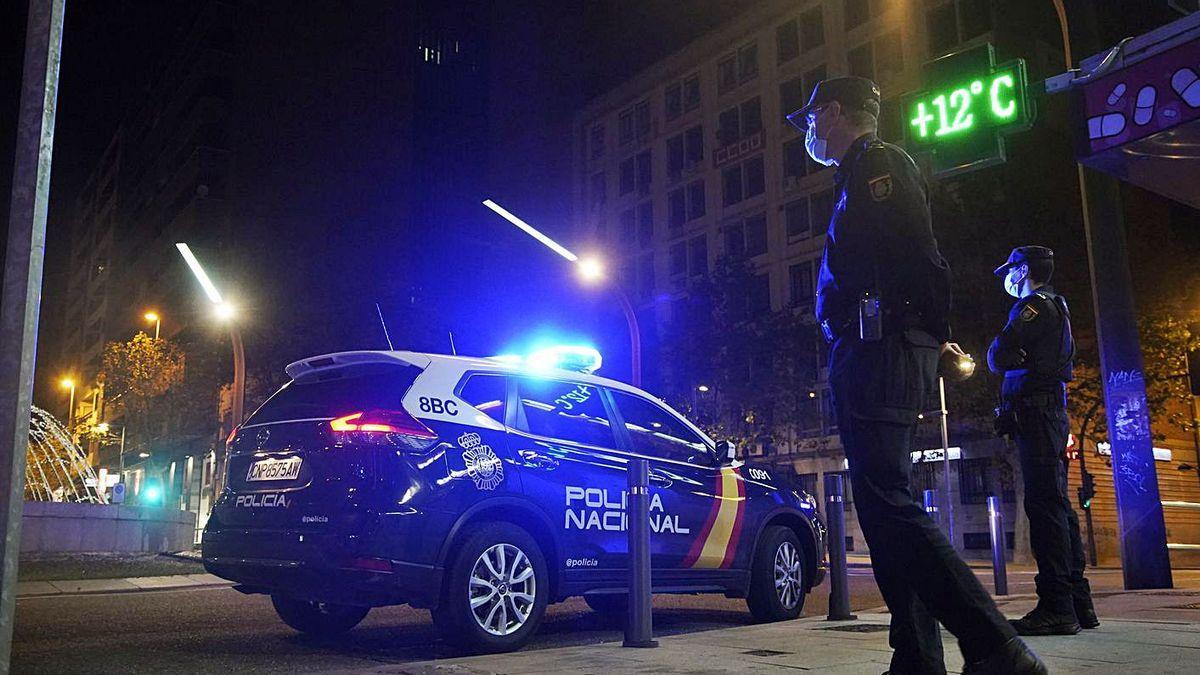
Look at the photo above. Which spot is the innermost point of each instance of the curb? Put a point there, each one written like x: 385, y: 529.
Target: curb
x: 47, y: 589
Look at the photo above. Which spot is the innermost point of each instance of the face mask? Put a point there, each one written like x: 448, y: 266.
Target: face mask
x: 1012, y: 283
x: 817, y: 148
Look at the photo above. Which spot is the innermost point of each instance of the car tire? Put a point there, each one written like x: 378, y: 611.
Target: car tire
x: 777, y: 578
x: 317, y: 618
x: 608, y: 604
x: 497, y: 575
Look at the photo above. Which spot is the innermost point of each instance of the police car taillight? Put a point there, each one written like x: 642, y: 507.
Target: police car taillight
x: 395, y: 427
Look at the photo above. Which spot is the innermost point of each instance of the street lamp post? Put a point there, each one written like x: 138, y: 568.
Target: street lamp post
x: 153, y: 316
x: 68, y: 383
x: 590, y: 270
x: 225, y: 312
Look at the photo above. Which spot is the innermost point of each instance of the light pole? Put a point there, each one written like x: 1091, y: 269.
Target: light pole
x: 153, y: 316
x: 68, y: 383
x: 225, y: 312
x: 591, y: 271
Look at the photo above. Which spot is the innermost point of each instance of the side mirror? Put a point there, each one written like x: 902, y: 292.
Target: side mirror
x: 726, y: 452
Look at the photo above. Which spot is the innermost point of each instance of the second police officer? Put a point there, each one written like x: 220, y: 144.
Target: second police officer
x: 883, y: 301
x: 1034, y: 353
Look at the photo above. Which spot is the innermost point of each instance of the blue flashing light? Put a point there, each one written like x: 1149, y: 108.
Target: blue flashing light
x: 152, y: 494
x: 577, y: 358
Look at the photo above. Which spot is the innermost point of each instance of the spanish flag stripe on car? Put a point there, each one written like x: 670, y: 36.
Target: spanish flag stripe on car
x: 717, y: 543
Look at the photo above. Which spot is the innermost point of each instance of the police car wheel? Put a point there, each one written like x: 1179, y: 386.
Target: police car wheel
x: 777, y: 584
x: 496, y: 590
x: 318, y: 618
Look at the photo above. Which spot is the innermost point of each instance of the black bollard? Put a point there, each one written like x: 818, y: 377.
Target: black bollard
x: 931, y: 506
x: 996, y: 527
x: 639, y: 630
x: 835, y: 518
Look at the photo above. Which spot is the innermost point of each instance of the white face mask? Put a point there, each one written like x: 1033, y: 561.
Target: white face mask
x: 818, y: 148
x: 1012, y: 282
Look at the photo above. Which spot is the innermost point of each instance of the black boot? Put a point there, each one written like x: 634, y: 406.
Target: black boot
x: 1044, y: 622
x: 1014, y: 658
x: 1085, y: 613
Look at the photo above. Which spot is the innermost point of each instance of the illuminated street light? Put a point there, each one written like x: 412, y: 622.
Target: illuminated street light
x: 703, y: 389
x: 68, y: 383
x: 224, y: 312
x: 143, y: 455
x: 153, y: 316
x: 591, y: 270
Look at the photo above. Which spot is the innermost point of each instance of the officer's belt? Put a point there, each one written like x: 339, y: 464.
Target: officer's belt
x: 837, y: 328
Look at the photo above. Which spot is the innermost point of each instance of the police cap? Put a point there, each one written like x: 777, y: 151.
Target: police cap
x: 851, y: 92
x: 1024, y: 254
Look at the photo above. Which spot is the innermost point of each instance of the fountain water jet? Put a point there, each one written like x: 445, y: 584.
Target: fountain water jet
x: 56, y: 469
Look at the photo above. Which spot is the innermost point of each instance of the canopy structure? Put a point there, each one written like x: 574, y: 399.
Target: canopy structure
x: 1138, y: 110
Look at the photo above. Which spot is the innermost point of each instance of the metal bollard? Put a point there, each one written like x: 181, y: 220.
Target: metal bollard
x: 639, y: 630
x: 931, y: 506
x: 835, y: 518
x: 996, y: 527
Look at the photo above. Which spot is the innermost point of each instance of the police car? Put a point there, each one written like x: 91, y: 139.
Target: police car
x: 485, y: 489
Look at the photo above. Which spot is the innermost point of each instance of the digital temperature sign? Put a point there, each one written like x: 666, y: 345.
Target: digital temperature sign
x: 967, y: 106
x: 978, y: 105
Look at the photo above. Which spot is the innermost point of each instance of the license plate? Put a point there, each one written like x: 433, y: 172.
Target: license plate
x: 274, y: 469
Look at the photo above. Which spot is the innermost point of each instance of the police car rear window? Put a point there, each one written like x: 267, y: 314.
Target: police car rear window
x: 338, y: 392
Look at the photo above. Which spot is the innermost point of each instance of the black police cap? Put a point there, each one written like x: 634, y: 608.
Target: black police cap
x: 1024, y: 254
x: 851, y: 92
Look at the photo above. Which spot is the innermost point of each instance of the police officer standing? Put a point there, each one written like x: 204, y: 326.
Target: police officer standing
x: 1034, y: 353
x: 883, y: 301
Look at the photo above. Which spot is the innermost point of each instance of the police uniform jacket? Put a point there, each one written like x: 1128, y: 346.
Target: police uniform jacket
x: 881, y: 239
x: 1035, y: 349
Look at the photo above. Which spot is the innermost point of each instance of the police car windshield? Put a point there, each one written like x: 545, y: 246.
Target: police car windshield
x: 329, y: 394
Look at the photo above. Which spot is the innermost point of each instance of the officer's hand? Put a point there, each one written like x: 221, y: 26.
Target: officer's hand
x: 954, y: 350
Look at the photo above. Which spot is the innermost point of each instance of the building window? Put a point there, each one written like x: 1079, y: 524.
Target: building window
x: 596, y: 142
x: 791, y: 96
x: 737, y: 68
x: 684, y: 151
x: 696, y: 201
x: 812, y: 29
x: 678, y: 259
x: 973, y: 480
x: 691, y: 93
x: 822, y: 208
x: 645, y: 220
x: 598, y: 191
x: 796, y: 220
x: 811, y: 78
x: 674, y: 157
x: 641, y: 120
x: 747, y: 237
x: 743, y: 181
x: 955, y: 22
x: 698, y: 256
x: 628, y: 226
x: 861, y: 61
x: 739, y: 121
x: 856, y: 12
x: 808, y: 483
x: 673, y: 101
x: 800, y: 284
x: 644, y: 173
x: 787, y: 42
x: 625, y: 126
x: 646, y: 275
x: 795, y: 162
x: 676, y: 208
x: 627, y: 176
x: 889, y: 54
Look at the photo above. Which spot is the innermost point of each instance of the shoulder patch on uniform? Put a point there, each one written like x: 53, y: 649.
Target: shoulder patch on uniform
x: 881, y: 187
x: 1029, y: 313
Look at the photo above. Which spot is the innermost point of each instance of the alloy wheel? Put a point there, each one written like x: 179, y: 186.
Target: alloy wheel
x: 502, y: 589
x: 788, y: 575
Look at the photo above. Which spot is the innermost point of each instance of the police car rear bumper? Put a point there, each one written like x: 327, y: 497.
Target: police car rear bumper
x: 320, y: 567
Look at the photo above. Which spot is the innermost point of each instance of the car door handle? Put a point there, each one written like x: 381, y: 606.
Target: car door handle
x: 660, y: 480
x: 536, y: 460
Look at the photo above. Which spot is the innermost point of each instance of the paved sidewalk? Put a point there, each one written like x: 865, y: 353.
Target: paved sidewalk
x: 1157, y: 632
x: 38, y: 589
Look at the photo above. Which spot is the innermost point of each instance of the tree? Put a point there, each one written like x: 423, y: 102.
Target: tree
x: 759, y: 365
x: 137, y: 375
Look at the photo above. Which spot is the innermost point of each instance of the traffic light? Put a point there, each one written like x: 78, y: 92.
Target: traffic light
x: 1193, y: 366
x: 1087, y: 491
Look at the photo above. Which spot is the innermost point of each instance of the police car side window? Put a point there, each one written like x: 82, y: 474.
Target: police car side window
x: 656, y: 432
x: 487, y: 394
x: 568, y: 411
